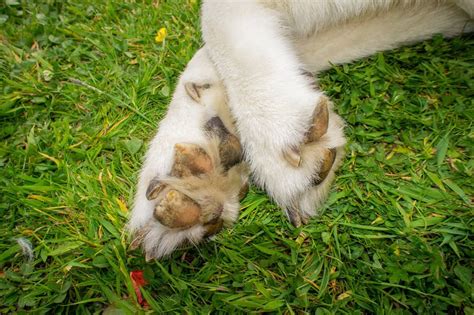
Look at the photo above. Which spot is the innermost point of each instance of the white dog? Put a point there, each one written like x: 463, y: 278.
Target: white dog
x: 256, y: 53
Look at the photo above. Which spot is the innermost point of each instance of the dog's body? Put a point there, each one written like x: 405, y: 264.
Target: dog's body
x: 376, y: 26
x: 255, y: 53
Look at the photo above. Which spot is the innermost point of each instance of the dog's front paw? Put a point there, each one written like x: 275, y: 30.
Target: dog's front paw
x: 196, y: 199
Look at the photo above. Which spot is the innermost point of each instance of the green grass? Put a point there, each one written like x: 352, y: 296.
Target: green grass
x: 83, y: 84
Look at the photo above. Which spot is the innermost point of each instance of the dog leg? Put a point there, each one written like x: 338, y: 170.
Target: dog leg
x: 271, y: 100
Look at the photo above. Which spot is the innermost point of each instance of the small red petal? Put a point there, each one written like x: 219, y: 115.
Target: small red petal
x: 137, y: 277
x: 138, y: 281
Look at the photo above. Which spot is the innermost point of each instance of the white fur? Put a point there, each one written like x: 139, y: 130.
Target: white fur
x: 372, y: 32
x: 26, y: 248
x: 260, y: 46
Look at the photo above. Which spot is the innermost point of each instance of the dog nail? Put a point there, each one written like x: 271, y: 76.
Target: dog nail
x: 294, y: 216
x: 154, y: 189
x: 328, y: 161
x: 243, y: 190
x: 319, y: 127
x: 213, y: 228
x: 293, y: 157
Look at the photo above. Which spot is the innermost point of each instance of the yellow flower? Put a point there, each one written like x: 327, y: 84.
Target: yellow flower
x: 161, y: 35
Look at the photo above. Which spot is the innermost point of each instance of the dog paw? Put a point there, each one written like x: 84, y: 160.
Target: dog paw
x: 320, y: 153
x: 197, y: 198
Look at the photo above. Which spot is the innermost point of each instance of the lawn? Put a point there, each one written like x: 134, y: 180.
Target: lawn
x: 82, y: 87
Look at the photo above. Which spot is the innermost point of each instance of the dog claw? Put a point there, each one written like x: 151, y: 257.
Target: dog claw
x: 154, y: 189
x: 136, y: 243
x: 328, y: 161
x: 213, y: 228
x: 138, y: 237
x: 149, y: 256
x: 319, y: 128
x: 244, y: 191
x: 320, y: 124
x: 294, y: 216
x: 293, y: 156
